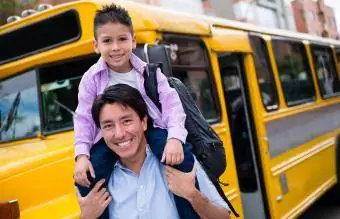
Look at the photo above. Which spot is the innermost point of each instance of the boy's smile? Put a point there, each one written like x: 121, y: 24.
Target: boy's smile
x: 115, y: 43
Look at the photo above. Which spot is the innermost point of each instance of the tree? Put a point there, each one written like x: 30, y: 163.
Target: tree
x: 14, y: 7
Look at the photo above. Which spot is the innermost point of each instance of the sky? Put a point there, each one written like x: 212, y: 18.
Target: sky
x: 335, y: 4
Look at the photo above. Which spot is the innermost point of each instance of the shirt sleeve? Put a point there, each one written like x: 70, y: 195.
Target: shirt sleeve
x: 208, y: 189
x: 84, y: 126
x: 172, y: 109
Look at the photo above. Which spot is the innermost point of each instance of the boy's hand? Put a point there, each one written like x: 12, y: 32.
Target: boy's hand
x: 173, y: 152
x: 83, y: 165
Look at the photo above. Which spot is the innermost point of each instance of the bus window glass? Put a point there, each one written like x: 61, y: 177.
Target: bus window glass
x: 264, y: 73
x: 59, y: 92
x: 326, y: 72
x: 338, y: 60
x: 294, y: 72
x: 190, y: 65
x: 19, y: 108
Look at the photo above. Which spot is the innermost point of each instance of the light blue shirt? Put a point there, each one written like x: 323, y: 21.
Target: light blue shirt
x: 147, y: 196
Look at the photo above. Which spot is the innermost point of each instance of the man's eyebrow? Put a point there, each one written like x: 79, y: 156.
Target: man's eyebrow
x: 106, y: 121
x: 126, y: 117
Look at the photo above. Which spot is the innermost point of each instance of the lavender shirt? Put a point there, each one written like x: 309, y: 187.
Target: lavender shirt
x: 93, y: 83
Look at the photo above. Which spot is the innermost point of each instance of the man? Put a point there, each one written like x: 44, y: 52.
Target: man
x: 140, y: 186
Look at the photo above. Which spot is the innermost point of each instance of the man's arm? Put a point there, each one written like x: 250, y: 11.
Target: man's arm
x: 205, y: 208
x: 183, y: 185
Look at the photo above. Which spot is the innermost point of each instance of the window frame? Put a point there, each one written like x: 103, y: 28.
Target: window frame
x: 38, y: 102
x: 306, y: 64
x: 210, y: 74
x: 59, y: 62
x: 322, y: 46
x: 36, y: 51
x: 271, y: 73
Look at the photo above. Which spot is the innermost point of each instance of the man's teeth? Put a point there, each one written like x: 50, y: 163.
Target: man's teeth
x: 124, y: 143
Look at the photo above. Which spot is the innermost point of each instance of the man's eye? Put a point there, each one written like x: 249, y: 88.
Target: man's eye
x: 126, y: 122
x: 108, y: 126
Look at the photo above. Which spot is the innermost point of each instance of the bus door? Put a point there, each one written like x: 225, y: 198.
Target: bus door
x: 242, y: 134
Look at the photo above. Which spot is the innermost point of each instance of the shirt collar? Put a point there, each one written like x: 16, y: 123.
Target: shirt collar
x: 148, y: 155
x: 135, y: 61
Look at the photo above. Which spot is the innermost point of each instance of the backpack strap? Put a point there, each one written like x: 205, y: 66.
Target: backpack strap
x: 215, y: 182
x: 151, y: 89
x: 150, y: 83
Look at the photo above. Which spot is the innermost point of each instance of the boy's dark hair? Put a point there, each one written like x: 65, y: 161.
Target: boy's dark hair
x: 112, y: 14
x: 122, y: 94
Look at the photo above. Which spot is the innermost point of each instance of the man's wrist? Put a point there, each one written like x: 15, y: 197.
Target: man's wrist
x: 193, y: 195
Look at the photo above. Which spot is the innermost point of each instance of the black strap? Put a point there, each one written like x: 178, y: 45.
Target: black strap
x: 220, y: 190
x: 150, y: 83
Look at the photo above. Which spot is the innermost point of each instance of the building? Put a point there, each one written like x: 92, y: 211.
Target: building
x: 315, y: 17
x: 269, y: 13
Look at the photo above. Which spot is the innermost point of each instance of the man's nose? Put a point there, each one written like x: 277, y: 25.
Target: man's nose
x: 119, y: 131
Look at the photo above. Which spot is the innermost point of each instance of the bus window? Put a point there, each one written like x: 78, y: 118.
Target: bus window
x: 294, y: 72
x: 19, y: 108
x: 59, y: 92
x: 264, y: 73
x: 190, y: 65
x: 325, y: 69
x: 338, y: 60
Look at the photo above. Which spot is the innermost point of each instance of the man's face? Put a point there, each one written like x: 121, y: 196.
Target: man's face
x: 115, y: 43
x: 123, y: 130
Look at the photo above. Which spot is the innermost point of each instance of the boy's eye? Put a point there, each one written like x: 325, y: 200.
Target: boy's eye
x: 107, y: 40
x: 123, y: 38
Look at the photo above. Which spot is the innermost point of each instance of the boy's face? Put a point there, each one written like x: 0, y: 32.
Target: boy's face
x: 123, y: 131
x: 115, y: 42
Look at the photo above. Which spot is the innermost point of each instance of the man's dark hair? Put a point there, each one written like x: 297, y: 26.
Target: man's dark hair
x: 122, y: 94
x: 112, y: 14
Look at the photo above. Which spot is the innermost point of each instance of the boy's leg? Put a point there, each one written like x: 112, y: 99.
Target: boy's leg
x: 102, y: 159
x: 157, y: 139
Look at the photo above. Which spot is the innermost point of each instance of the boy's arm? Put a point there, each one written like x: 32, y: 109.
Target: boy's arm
x: 84, y: 127
x: 172, y: 109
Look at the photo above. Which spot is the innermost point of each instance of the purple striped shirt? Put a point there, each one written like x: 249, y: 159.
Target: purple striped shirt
x: 93, y: 83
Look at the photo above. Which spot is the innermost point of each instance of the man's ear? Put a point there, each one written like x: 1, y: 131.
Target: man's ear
x: 95, y: 46
x: 145, y: 123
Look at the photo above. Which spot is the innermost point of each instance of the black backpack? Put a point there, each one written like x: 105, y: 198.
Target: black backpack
x: 207, y: 146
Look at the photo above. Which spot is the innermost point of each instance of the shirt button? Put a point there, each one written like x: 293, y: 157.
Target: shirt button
x: 141, y: 187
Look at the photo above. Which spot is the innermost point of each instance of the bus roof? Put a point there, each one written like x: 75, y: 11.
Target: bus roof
x: 148, y: 17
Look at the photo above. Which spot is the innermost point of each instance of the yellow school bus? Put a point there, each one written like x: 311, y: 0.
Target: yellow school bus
x: 271, y: 95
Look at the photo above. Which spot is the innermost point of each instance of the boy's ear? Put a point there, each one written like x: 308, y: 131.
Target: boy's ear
x: 134, y: 41
x: 95, y: 46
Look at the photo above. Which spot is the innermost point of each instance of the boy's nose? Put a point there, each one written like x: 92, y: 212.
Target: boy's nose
x: 115, y: 46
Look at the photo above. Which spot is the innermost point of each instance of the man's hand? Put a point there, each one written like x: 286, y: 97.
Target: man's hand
x: 180, y: 183
x: 94, y: 204
x: 83, y: 165
x: 173, y: 152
